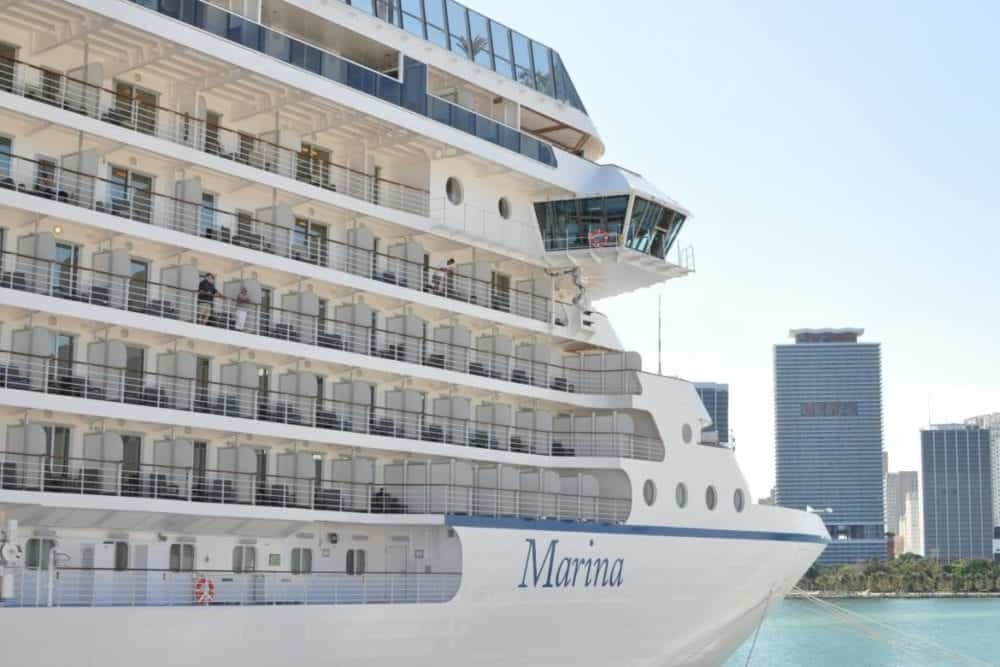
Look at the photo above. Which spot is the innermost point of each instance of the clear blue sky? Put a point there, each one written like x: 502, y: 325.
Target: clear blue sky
x: 842, y: 163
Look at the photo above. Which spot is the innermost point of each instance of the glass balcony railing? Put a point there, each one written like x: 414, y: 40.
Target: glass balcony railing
x: 107, y: 587
x: 28, y: 472
x: 410, y: 93
x: 241, y: 229
x: 51, y: 375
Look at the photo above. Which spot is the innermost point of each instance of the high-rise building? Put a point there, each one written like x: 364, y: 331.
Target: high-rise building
x: 715, y: 397
x: 897, y: 485
x: 828, y: 437
x: 991, y: 422
x: 958, y: 491
x: 909, y: 527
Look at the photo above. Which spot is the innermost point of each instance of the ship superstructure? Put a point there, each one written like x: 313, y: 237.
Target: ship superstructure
x: 299, y: 357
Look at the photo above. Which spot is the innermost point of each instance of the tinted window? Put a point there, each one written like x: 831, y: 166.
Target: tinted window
x: 543, y: 69
x: 522, y: 59
x: 501, y: 40
x: 480, y: 39
x: 458, y: 29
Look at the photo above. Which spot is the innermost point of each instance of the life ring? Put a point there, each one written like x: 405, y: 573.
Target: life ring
x: 204, y: 590
x: 598, y: 238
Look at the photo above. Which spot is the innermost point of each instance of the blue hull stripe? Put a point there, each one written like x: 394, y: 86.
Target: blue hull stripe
x: 511, y: 523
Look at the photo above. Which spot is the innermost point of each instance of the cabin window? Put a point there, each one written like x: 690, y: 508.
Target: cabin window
x: 649, y: 492
x: 711, y: 497
x: 37, y: 552
x: 181, y: 557
x: 355, y: 561
x: 739, y: 500
x: 453, y: 188
x: 302, y: 560
x: 681, y: 495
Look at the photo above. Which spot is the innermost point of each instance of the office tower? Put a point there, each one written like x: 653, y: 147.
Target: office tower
x: 715, y: 397
x: 958, y: 490
x: 828, y: 437
x: 991, y: 422
x: 909, y: 526
x: 897, y: 485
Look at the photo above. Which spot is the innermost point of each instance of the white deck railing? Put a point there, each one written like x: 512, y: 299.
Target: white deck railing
x: 75, y: 587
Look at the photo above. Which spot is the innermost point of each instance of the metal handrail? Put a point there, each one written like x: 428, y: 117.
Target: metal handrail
x: 97, y: 102
x: 50, y: 375
x: 95, y: 587
x: 148, y: 297
x: 87, y: 476
x: 103, y: 195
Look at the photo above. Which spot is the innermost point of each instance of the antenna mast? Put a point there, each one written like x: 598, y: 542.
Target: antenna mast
x: 659, y: 334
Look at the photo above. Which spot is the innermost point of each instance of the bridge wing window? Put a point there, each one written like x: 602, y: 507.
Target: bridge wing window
x: 653, y: 228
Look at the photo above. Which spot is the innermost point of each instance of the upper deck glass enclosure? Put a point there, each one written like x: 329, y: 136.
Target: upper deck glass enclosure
x: 471, y: 35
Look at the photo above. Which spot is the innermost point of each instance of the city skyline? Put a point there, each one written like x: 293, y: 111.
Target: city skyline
x: 818, y: 155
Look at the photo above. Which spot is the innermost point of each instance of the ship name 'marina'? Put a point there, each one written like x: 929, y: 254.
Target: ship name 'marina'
x: 570, y: 572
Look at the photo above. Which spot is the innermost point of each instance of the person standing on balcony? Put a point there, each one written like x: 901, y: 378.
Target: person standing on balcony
x: 206, y: 295
x: 242, y: 308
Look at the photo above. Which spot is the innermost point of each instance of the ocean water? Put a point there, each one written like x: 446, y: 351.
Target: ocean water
x: 877, y: 633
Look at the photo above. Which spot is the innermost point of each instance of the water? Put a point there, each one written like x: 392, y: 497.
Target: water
x: 930, y: 632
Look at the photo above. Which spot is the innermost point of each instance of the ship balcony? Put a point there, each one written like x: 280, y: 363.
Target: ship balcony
x: 242, y: 396
x: 281, y: 236
x: 275, y: 152
x: 74, y: 483
x: 91, y: 587
x: 344, y: 328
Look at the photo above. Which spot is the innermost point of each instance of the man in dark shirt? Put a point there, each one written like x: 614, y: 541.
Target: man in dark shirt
x: 206, y: 294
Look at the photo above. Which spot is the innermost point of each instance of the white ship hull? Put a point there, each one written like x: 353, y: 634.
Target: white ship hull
x: 682, y: 601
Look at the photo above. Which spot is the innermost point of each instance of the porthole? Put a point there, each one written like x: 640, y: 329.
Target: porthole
x: 681, y: 494
x: 711, y: 497
x: 453, y: 188
x: 686, y: 434
x: 649, y: 492
x: 504, y: 207
x: 738, y: 500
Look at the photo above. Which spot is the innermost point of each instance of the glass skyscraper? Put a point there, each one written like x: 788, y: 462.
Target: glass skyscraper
x: 828, y: 437
x: 715, y: 398
x: 991, y: 422
x: 958, y: 492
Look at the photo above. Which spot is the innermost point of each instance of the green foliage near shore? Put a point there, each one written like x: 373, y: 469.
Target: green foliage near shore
x: 907, y: 574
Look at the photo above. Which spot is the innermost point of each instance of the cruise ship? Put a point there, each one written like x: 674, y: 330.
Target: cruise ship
x: 300, y: 363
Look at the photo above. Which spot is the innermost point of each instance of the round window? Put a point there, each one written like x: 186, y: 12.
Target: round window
x: 453, y: 188
x: 738, y: 500
x: 504, y: 206
x: 681, y: 494
x: 686, y: 434
x: 711, y: 497
x: 649, y: 492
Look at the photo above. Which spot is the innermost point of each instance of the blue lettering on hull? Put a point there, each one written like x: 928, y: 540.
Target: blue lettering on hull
x: 569, y: 572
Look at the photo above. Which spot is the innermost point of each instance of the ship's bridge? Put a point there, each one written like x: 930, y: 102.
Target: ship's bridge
x: 623, y: 235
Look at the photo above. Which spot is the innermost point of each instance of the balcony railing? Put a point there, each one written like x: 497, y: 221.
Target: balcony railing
x: 98, y: 587
x: 146, y: 297
x: 64, y: 377
x: 106, y: 105
x: 583, y: 240
x: 26, y: 472
x: 256, y: 37
x: 50, y: 181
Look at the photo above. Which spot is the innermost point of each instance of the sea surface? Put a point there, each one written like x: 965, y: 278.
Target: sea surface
x: 877, y: 633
